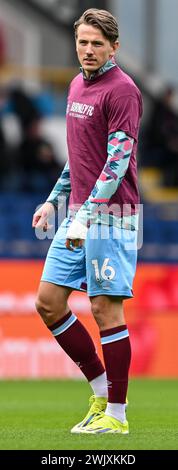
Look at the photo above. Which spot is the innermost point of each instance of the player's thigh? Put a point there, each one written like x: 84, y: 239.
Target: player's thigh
x: 111, y: 256
x: 62, y: 266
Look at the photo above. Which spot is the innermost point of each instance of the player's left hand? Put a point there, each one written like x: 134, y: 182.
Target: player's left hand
x: 76, y: 235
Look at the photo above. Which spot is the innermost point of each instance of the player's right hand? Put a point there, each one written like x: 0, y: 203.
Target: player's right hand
x: 41, y: 216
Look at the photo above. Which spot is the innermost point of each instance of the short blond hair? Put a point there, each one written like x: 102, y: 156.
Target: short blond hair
x: 102, y: 20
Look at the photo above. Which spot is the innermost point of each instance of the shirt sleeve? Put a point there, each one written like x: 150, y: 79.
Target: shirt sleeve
x: 124, y: 114
x: 119, y: 151
x: 62, y: 186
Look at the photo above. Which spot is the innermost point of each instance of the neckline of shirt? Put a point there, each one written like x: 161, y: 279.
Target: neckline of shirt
x: 101, y: 71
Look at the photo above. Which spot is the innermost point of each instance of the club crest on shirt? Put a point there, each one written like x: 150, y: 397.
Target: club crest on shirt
x: 79, y: 110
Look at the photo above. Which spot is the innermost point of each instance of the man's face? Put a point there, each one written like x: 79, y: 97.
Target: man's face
x: 93, y: 49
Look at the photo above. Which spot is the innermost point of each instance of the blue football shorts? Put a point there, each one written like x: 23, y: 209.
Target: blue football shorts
x: 105, y: 265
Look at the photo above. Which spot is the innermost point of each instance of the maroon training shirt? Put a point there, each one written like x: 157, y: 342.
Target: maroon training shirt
x: 97, y: 108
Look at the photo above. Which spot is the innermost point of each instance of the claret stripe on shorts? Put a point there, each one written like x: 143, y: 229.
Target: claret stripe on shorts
x: 65, y: 326
x: 116, y: 337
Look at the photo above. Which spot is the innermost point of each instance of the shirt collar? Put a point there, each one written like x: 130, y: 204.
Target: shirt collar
x: 107, y: 66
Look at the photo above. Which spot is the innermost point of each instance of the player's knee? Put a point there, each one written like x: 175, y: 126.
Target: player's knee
x: 98, y: 312
x: 42, y: 308
x: 48, y: 310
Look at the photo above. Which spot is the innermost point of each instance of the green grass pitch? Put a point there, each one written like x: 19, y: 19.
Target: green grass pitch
x: 39, y: 415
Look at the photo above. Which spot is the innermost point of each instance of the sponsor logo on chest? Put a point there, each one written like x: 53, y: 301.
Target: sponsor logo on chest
x: 80, y: 110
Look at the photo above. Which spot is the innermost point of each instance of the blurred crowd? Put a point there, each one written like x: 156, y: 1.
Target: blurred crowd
x: 31, y: 165
x: 159, y: 138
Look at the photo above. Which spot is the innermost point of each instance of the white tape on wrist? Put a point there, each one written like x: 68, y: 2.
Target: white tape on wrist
x: 76, y: 230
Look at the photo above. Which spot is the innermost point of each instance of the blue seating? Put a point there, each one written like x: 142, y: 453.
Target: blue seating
x: 18, y: 239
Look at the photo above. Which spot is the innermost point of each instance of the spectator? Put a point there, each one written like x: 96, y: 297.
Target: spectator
x: 2, y: 47
x: 24, y: 108
x: 4, y: 149
x: 37, y: 160
x: 32, y: 166
x: 160, y: 138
